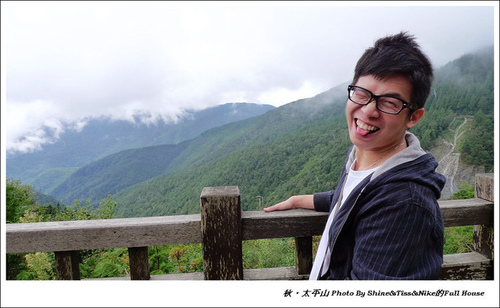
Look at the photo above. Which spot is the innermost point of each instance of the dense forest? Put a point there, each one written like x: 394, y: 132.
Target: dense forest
x: 463, y: 87
x: 300, y: 148
x: 295, y: 149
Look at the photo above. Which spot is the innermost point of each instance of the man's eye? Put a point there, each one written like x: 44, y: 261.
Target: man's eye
x: 389, y: 101
x: 361, y: 95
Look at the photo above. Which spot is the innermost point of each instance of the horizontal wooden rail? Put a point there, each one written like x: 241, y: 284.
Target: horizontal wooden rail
x: 466, y: 212
x: 185, y: 229
x: 102, y: 233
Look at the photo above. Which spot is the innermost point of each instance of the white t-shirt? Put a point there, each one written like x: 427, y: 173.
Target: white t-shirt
x: 323, y: 253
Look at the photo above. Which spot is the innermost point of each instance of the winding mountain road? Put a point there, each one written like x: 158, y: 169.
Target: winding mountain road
x: 449, y: 162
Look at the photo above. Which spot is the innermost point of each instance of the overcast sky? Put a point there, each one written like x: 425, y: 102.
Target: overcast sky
x: 65, y: 61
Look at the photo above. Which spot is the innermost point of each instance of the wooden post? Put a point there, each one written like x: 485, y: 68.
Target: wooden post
x: 221, y: 233
x: 67, y: 265
x: 483, y: 234
x: 303, y: 255
x: 139, y: 263
x: 484, y: 188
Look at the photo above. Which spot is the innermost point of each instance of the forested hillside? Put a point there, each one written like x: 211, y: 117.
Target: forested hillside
x: 272, y: 164
x: 463, y: 87
x: 300, y: 147
x: 111, y: 174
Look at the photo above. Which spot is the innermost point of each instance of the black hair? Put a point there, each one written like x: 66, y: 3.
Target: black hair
x: 398, y: 54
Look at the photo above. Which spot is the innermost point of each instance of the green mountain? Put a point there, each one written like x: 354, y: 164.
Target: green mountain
x: 462, y: 87
x: 295, y: 149
x: 109, y: 175
x: 100, y: 137
x: 300, y: 147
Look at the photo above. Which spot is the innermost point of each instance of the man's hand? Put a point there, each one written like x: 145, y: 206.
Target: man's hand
x: 294, y: 202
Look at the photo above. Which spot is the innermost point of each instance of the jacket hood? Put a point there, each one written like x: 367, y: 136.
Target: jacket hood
x: 411, y: 164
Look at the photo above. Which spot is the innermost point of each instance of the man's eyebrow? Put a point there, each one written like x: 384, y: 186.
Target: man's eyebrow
x: 393, y: 94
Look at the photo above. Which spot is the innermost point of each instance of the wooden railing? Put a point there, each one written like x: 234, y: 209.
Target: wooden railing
x: 221, y: 227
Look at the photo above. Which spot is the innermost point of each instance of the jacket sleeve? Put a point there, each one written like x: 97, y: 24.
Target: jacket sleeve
x: 398, y: 240
x: 323, y: 200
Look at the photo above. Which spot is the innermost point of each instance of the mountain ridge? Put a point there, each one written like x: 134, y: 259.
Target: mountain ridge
x: 309, y: 152
x: 102, y: 137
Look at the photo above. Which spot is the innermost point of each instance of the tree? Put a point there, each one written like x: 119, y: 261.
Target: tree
x: 22, y: 208
x: 19, y: 198
x: 106, y: 210
x: 477, y: 146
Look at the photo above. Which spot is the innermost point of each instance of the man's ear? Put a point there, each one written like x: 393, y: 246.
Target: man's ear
x: 415, y: 117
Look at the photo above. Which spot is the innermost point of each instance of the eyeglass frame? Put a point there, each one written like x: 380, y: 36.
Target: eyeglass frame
x: 376, y: 97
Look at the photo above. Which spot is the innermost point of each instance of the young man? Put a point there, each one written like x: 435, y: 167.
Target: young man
x: 384, y: 221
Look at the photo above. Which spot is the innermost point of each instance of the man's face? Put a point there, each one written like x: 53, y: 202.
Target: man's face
x: 372, y: 130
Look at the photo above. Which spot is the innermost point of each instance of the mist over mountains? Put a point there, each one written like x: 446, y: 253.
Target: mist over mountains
x: 100, y: 137
x: 268, y: 152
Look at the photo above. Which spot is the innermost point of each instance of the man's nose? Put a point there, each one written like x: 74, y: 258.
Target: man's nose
x: 371, y: 107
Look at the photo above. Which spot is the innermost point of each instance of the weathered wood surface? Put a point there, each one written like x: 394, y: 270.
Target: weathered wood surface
x: 221, y: 233
x: 485, y: 188
x: 105, y: 233
x: 279, y: 224
x: 484, y: 233
x: 67, y: 265
x: 466, y: 266
x: 484, y: 240
x: 466, y: 212
x: 139, y: 263
x: 303, y: 254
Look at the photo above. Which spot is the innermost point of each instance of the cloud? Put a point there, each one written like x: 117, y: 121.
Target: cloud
x: 67, y: 61
x: 281, y: 96
x: 36, y: 123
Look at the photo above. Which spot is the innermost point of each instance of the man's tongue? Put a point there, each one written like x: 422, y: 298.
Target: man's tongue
x: 364, y: 129
x: 363, y: 132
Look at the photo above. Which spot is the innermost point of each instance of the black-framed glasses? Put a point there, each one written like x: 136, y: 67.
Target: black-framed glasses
x: 385, y: 103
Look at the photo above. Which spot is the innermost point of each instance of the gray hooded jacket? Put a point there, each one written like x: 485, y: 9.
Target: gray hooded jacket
x: 390, y: 226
